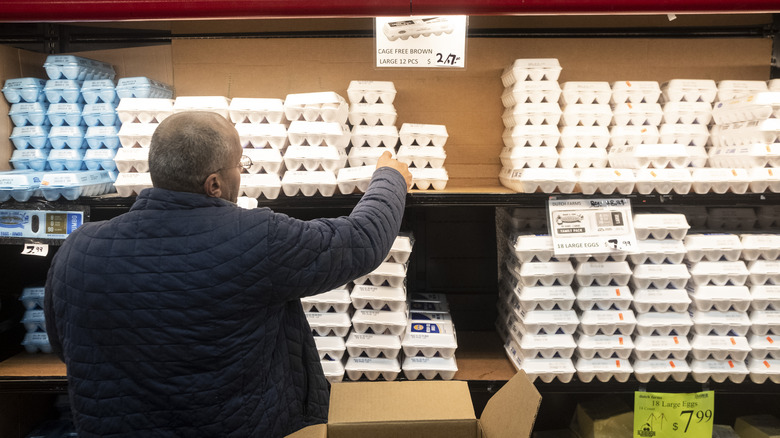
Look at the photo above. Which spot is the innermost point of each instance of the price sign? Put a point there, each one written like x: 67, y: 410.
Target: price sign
x: 661, y: 415
x: 35, y: 249
x: 591, y: 226
x: 430, y: 42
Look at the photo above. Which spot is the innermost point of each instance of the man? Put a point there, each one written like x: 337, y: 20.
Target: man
x: 181, y: 317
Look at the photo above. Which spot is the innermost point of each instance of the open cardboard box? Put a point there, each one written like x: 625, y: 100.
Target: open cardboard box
x: 429, y: 409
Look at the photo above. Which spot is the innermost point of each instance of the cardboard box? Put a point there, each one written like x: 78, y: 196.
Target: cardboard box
x: 758, y: 426
x: 426, y: 409
x: 604, y: 417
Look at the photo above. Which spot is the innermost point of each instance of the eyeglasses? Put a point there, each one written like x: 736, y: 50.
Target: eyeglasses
x: 245, y: 163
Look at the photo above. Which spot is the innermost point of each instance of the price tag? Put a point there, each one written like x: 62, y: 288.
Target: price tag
x: 662, y: 415
x: 591, y: 226
x: 421, y: 41
x: 35, y: 249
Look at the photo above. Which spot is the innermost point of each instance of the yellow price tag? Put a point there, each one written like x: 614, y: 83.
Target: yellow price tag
x: 662, y: 415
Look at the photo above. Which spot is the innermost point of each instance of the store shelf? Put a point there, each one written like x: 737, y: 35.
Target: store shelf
x: 27, y: 372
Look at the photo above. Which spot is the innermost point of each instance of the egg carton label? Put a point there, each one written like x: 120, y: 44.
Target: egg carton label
x: 39, y: 223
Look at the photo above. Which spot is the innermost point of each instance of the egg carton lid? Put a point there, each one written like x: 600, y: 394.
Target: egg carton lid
x: 424, y: 129
x: 309, y: 177
x: 586, y: 109
x: 546, y: 293
x: 65, y: 108
x: 141, y: 81
x: 371, y: 340
x: 328, y: 319
x: 611, y: 342
x: 359, y: 173
x: 535, y: 109
x: 677, y: 108
x: 536, y: 64
x: 259, y: 104
x: 145, y: 104
x: 718, y: 370
x: 535, y: 269
x: 536, y: 342
x: 661, y: 246
x: 17, y: 83
x: 370, y: 152
x: 767, y: 342
x: 98, y: 84
x: 366, y: 316
x: 660, y: 221
x: 735, y: 268
x: 99, y: 154
x: 769, y: 267
x: 257, y: 156
x: 430, y: 364
x: 664, y: 319
x: 94, y: 108
x: 75, y: 179
x: 260, y: 180
x: 533, y: 131
x: 362, y: 86
x: 379, y: 364
x: 766, y: 317
x: 731, y: 318
x: 261, y: 129
x: 689, y: 84
x: 764, y: 367
x: 661, y: 366
x: 67, y: 131
x: 335, y: 296
x: 638, y: 86
x: 766, y: 292
x: 606, y: 293
x: 601, y: 365
x: 186, y: 103
x: 391, y: 269
x: 720, y: 293
x: 529, y: 175
x: 661, y: 343
x: 33, y: 316
x: 607, y: 317
x: 314, y: 152
x: 628, y: 108
x: 533, y: 87
x: 33, y: 292
x: 645, y: 150
x: 549, y: 317
x: 583, y: 131
x: 603, y: 268
x: 137, y: 129
x: 750, y: 101
x: 62, y: 84
x: 532, y: 242
x: 66, y: 154
x: 661, y: 271
x: 591, y: 175
x: 406, y: 151
x: 373, y: 108
x: 681, y: 129
x: 424, y: 334
x: 28, y: 108
x: 332, y: 368
x: 586, y: 86
x: 582, y: 153
x: 300, y: 100
x: 30, y: 131
x: 720, y: 343
x: 30, y: 154
x: 302, y: 127
x: 124, y: 178
x: 333, y: 343
x: 548, y: 369
x: 377, y: 130
x: 429, y: 173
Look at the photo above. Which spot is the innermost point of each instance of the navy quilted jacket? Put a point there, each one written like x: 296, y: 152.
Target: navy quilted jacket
x: 181, y: 317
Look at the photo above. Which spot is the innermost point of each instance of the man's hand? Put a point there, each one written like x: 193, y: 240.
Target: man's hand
x: 387, y: 160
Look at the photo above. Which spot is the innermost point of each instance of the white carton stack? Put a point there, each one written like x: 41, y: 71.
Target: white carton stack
x: 422, y: 148
x: 661, y: 302
x: 329, y: 316
x: 761, y: 252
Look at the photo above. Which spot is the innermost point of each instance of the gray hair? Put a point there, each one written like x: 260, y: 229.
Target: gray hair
x: 187, y: 147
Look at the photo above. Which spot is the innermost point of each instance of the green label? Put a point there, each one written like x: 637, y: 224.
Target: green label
x: 661, y: 415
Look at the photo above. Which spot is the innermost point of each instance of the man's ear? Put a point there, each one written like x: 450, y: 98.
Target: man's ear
x: 213, y: 186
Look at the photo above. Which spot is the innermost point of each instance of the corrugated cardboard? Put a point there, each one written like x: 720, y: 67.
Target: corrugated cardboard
x: 604, y: 417
x: 758, y: 426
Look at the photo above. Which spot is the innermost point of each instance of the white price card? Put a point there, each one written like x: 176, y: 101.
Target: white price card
x: 591, y: 226
x: 421, y: 41
x: 35, y: 249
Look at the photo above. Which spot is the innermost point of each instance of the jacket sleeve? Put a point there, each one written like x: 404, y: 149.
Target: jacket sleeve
x: 310, y: 257
x: 48, y: 309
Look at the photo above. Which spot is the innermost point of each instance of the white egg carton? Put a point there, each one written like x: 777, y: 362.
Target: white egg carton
x: 764, y: 346
x: 129, y: 184
x: 545, y: 180
x: 729, y: 323
x: 761, y: 271
x: 636, y: 114
x: 422, y: 156
x: 329, y: 323
x: 661, y: 300
x: 24, y: 90
x: 661, y: 370
x: 720, y: 180
x: 336, y: 300
x: 35, y: 137
x: 582, y: 158
x: 604, y: 298
x: 747, y: 133
x: 378, y: 297
x: 374, y: 136
x: 324, y: 106
x: 698, y: 155
x: 429, y: 368
x: 658, y: 156
x: 532, y: 113
x: 528, y: 156
x: 604, y: 346
x: 531, y: 69
x: 373, y: 115
x: 548, y: 370
x: 689, y: 135
x: 719, y: 273
x: 549, y: 322
x: 755, y: 155
x: 584, y: 137
x: 586, y: 114
x: 623, y: 135
x: 309, y: 183
x: 546, y: 297
x: 732, y: 89
x: 262, y: 135
x: 267, y: 184
x: 100, y: 114
x: 333, y: 370
x: 136, y: 134
x: 367, y: 156
x: 531, y: 135
x: 636, y: 92
x: 689, y: 90
x: 429, y: 178
x: 763, y: 179
x: 256, y: 110
x: 419, y: 134
x: 372, y: 368
x: 603, y: 369
x: 264, y: 160
x: 662, y: 276
x: 713, y: 246
x: 530, y: 247
x: 429, y: 339
x: 765, y: 322
x: 687, y: 113
x: 704, y: 347
x: 607, y: 322
x: 144, y: 110
x: 661, y: 347
x: 144, y: 88
x: 603, y: 273
x: 765, y: 297
x: 544, y: 273
x: 373, y: 345
x: 547, y: 346
x: 718, y: 370
x: 584, y: 92
x: 394, y: 274
x: 67, y: 114
x: 606, y: 181
x: 663, y: 181
x: 72, y: 185
x: 660, y: 226
x: 371, y: 92
x: 663, y: 323
x: 401, y: 249
x: 67, y: 137
x: 28, y: 113
x: 216, y: 104
x: 773, y: 85
x: 66, y: 159
x: 763, y: 369
x: 63, y: 90
x: 34, y: 342
x: 721, y: 298
x: 353, y: 179
x: 330, y: 347
x: 379, y: 321
x: 312, y: 158
x: 306, y: 133
x: 531, y: 92
x: 754, y: 106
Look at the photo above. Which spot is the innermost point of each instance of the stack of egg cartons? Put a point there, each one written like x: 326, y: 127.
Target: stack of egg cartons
x: 380, y: 317
x: 720, y: 301
x: 430, y: 341
x: 318, y: 136
x: 102, y: 132
x: 762, y: 254
x: 328, y: 315
x: 745, y: 141
x: 372, y: 117
x: 422, y: 148
x: 143, y: 104
x: 263, y: 135
x: 585, y: 133
x: 531, y: 116
x: 661, y: 301
x: 36, y: 339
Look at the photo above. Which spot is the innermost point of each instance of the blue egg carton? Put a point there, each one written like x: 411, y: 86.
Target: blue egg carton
x: 21, y: 185
x: 66, y: 159
x: 32, y: 297
x: 25, y: 137
x: 143, y: 87
x: 63, y: 91
x: 100, y: 114
x: 77, y: 68
x: 98, y: 137
x: 29, y: 114
x: 99, y: 91
x: 97, y: 159
x: 34, y: 342
x: 65, y: 114
x: 72, y: 137
x: 72, y: 185
x: 21, y: 90
x: 34, y: 320
x: 30, y: 159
